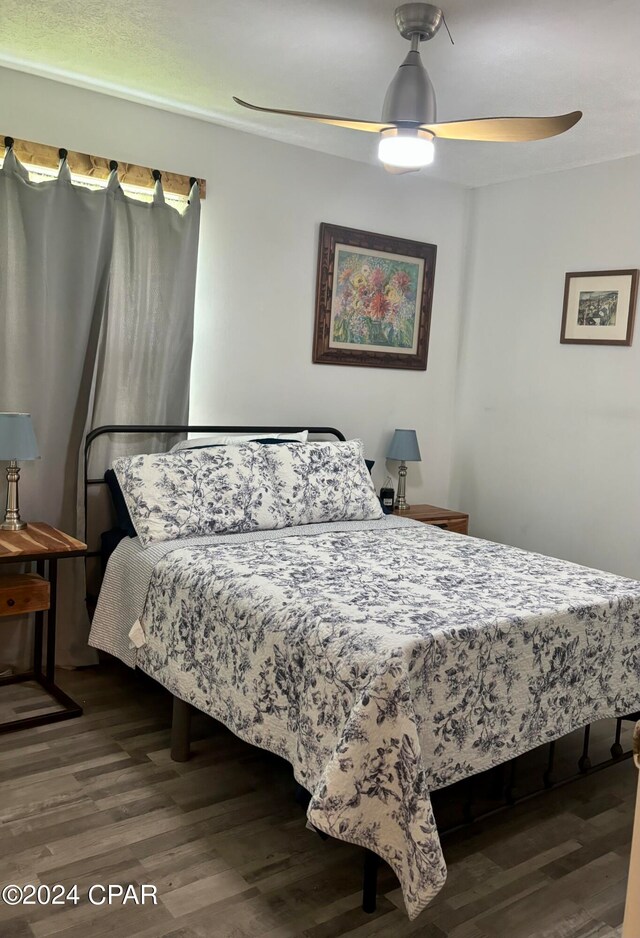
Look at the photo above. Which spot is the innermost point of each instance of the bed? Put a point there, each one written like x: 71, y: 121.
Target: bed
x: 384, y: 659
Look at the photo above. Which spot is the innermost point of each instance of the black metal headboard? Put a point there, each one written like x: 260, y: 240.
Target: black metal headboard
x: 172, y: 430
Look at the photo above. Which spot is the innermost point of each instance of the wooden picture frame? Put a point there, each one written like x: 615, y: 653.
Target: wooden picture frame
x: 599, y: 307
x: 373, y: 299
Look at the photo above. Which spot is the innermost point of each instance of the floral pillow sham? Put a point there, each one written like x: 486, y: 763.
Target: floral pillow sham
x: 322, y: 482
x: 221, y: 490
x: 245, y: 487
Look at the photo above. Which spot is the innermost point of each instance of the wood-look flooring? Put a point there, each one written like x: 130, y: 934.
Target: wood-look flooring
x: 98, y: 800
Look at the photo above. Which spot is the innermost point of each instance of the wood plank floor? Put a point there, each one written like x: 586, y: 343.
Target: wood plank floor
x: 98, y: 800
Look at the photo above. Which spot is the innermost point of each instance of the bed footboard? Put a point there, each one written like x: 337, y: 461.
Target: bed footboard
x: 508, y: 796
x: 180, y: 730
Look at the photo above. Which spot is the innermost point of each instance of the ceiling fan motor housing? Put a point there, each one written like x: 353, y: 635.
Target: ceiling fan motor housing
x: 410, y: 97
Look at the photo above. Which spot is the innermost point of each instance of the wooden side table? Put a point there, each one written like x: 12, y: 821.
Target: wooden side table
x: 43, y: 545
x: 441, y: 517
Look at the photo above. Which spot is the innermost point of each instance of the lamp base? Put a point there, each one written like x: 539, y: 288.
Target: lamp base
x: 13, y: 526
x: 401, y: 501
x: 12, y: 520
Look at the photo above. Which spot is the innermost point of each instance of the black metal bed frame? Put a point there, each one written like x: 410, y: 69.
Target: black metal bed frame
x: 181, y: 716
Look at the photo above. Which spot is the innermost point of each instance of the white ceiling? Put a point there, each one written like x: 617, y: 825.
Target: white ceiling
x: 338, y: 56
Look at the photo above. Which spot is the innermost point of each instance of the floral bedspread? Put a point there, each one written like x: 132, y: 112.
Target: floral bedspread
x: 384, y: 665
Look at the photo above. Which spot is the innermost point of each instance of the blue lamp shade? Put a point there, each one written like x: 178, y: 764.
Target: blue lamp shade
x: 404, y: 446
x: 17, y: 439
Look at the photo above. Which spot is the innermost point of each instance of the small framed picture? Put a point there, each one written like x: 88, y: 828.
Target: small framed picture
x: 599, y: 307
x: 373, y: 299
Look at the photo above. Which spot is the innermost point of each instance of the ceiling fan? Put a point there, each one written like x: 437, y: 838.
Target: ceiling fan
x: 409, y: 124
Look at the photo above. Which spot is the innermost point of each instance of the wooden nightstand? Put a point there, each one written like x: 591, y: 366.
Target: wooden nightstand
x: 441, y: 517
x: 29, y: 592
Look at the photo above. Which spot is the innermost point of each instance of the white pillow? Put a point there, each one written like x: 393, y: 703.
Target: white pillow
x: 229, y: 439
x: 322, y: 482
x: 223, y: 489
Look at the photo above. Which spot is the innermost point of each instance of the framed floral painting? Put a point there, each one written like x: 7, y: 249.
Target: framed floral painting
x: 599, y: 307
x: 373, y: 301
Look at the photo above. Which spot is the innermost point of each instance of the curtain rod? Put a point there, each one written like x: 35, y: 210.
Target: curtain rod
x: 83, y: 164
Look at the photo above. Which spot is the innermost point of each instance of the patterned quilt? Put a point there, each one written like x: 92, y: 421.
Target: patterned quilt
x: 386, y: 664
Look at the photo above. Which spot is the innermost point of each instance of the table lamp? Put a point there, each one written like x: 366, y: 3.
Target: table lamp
x: 404, y: 447
x: 17, y: 441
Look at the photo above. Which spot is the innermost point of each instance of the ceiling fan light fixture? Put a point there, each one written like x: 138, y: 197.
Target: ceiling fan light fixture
x: 407, y: 148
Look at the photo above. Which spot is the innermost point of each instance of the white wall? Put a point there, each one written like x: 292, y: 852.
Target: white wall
x: 547, y: 452
x: 256, y: 301
x: 257, y: 267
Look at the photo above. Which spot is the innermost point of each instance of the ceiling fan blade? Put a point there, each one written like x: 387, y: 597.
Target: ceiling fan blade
x: 368, y: 126
x: 505, y: 129
x: 399, y: 170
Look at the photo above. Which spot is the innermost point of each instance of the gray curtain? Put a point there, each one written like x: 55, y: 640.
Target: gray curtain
x: 96, y: 306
